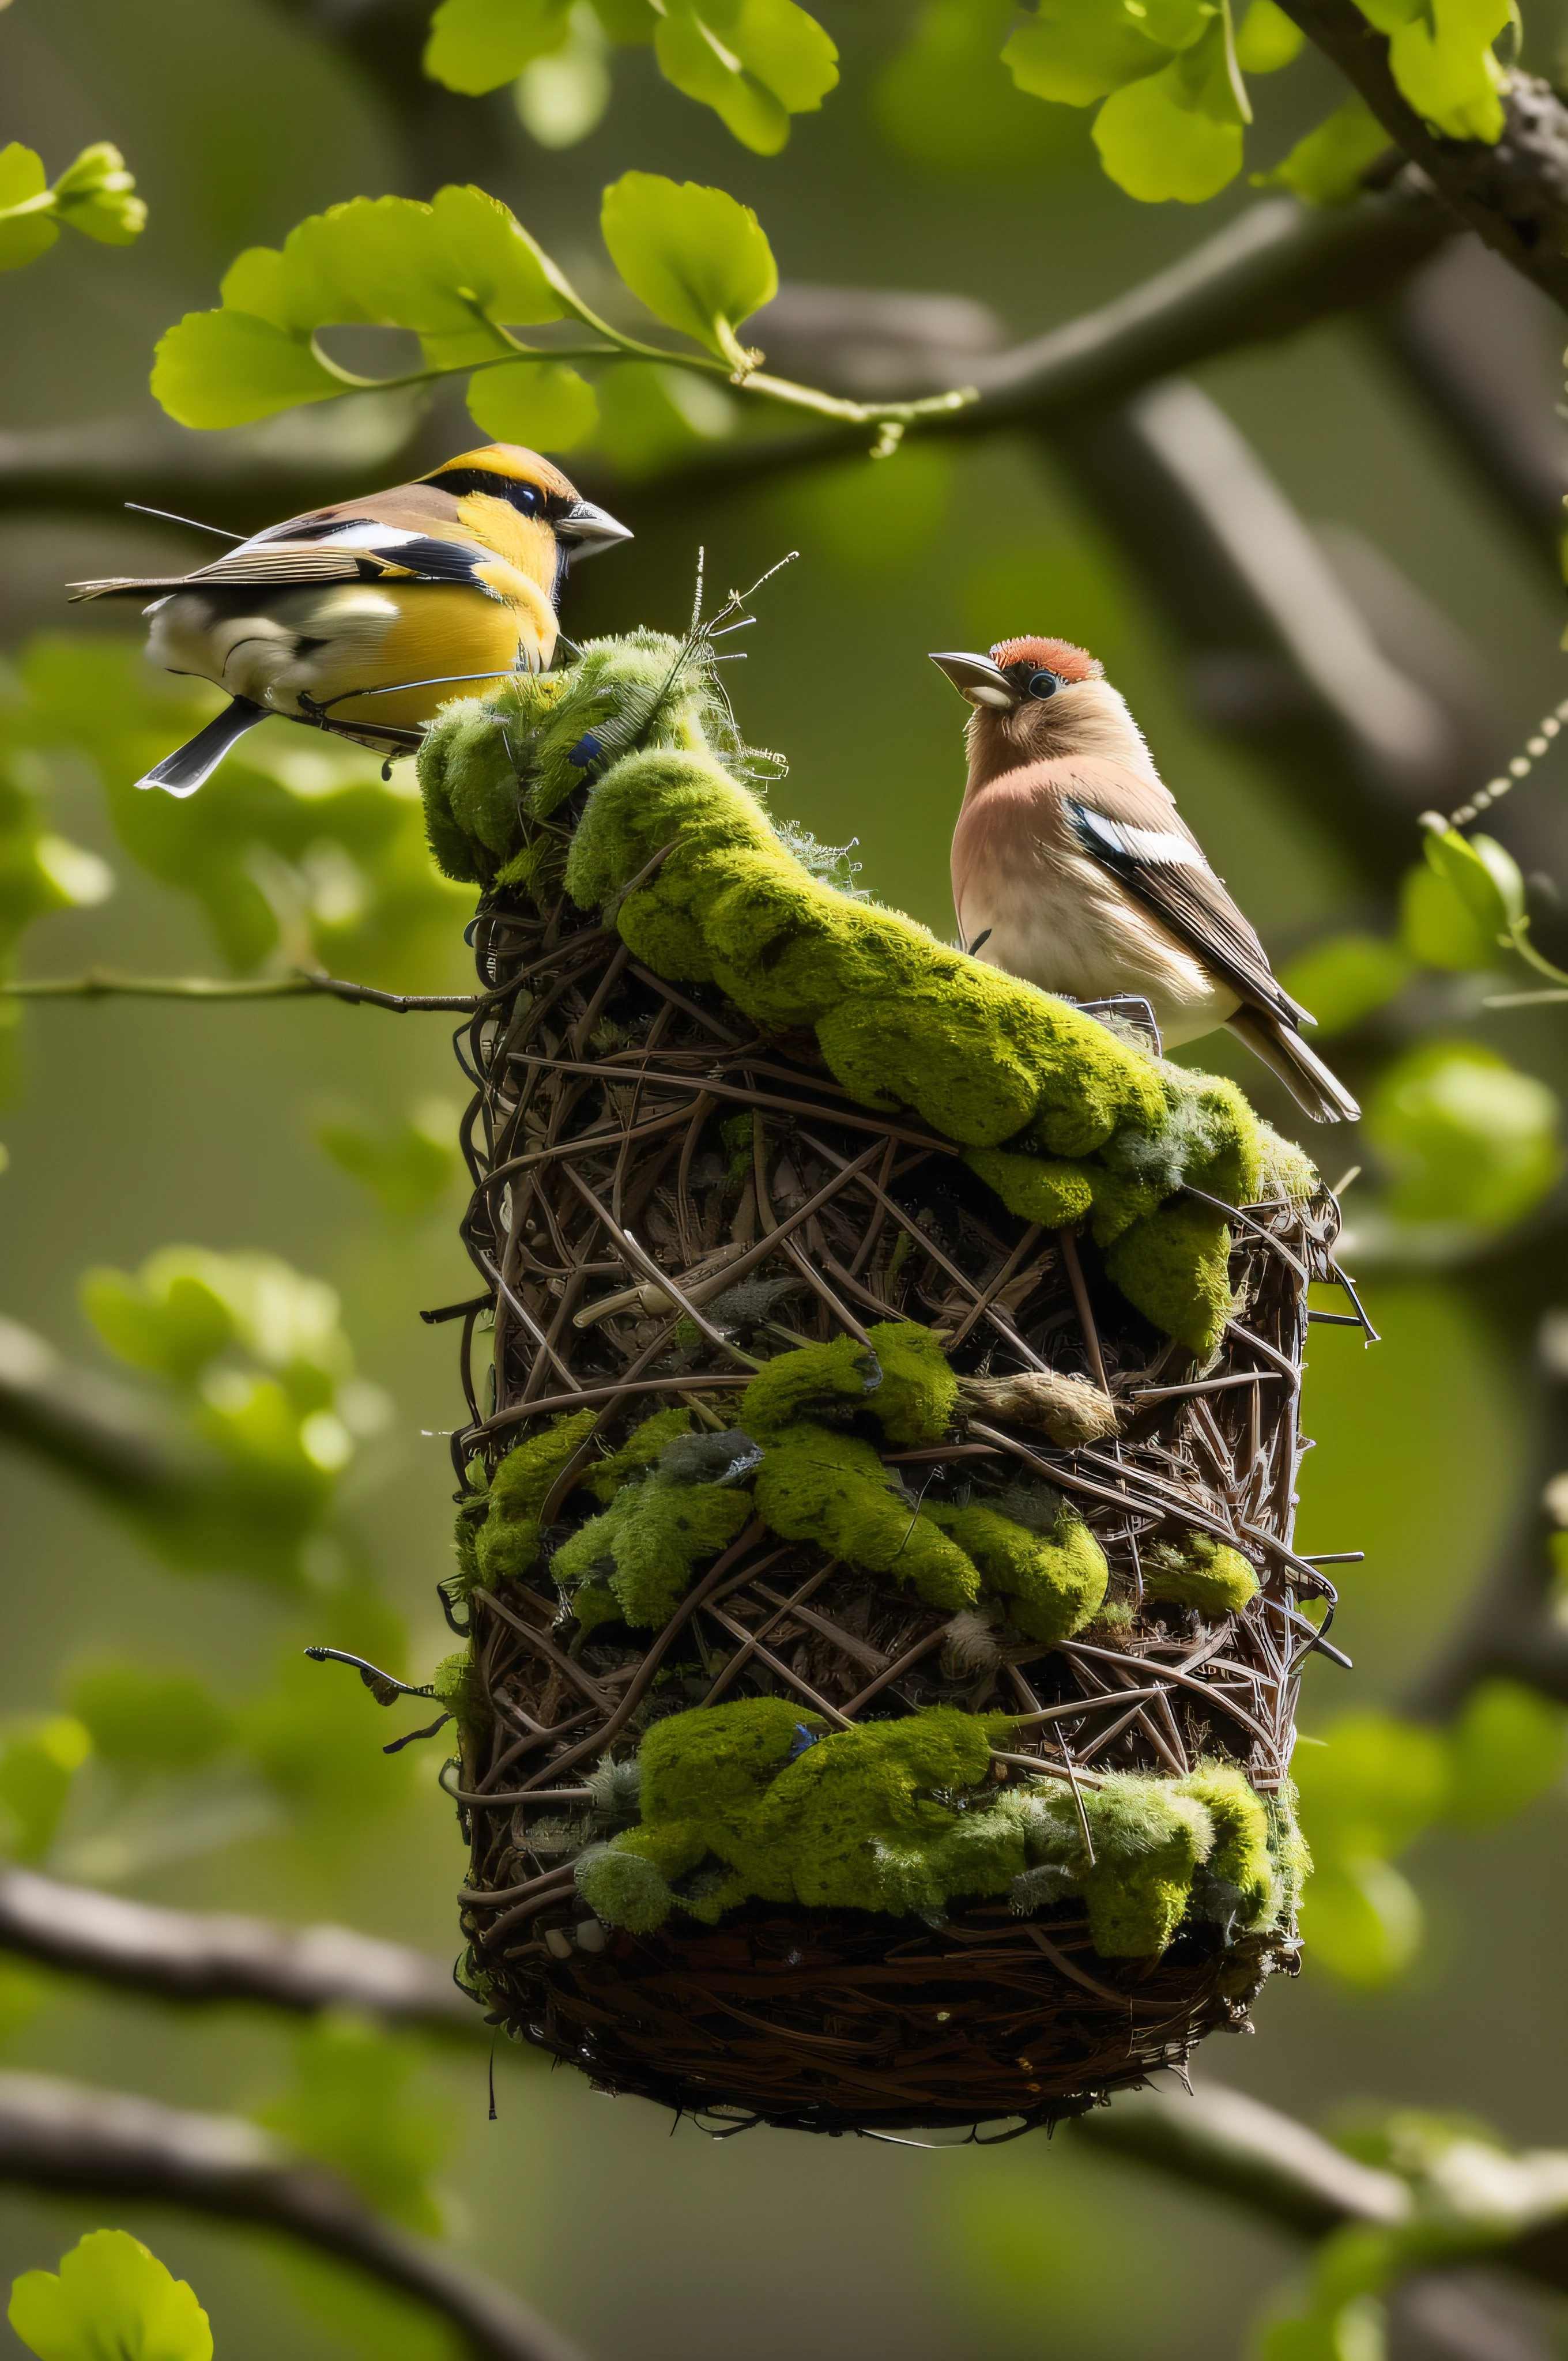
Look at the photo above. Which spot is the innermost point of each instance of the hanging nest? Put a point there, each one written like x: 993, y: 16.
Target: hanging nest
x: 875, y: 1527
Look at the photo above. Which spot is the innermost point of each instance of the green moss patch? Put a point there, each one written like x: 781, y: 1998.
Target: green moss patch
x: 506, y: 1544
x: 758, y: 1801
x: 1201, y: 1573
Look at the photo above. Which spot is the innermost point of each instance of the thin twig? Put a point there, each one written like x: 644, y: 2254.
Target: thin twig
x: 59, y: 2138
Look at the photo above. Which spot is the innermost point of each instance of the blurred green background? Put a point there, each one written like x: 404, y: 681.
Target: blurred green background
x: 134, y: 1126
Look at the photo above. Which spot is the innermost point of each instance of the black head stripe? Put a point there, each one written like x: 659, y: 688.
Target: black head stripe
x: 530, y: 500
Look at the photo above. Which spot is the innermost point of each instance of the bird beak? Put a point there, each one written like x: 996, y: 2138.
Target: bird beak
x: 978, y: 679
x: 586, y: 529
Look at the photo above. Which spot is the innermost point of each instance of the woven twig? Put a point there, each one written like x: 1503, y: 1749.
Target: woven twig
x: 635, y: 1249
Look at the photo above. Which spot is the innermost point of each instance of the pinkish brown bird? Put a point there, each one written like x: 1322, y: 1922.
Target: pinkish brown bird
x: 1073, y: 869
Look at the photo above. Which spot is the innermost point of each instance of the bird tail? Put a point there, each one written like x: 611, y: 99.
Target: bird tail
x: 1315, y: 1089
x: 181, y: 773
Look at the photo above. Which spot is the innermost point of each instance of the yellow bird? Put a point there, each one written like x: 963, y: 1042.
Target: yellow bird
x: 365, y: 618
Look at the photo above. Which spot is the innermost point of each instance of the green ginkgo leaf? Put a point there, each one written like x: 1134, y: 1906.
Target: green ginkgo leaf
x: 543, y: 404
x: 456, y: 271
x: 1177, y: 135
x: 1074, y: 54
x: 478, y: 45
x: 1326, y: 166
x: 112, y: 2300
x: 224, y: 368
x: 755, y: 63
x: 697, y: 259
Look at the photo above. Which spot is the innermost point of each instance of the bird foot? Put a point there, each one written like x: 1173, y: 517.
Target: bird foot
x: 1127, y: 1012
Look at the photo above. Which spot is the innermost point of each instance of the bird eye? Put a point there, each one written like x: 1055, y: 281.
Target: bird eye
x: 1043, y: 684
x: 526, y: 497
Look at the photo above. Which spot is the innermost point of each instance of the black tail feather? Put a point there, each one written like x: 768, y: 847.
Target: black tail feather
x: 1317, y: 1091
x: 181, y: 773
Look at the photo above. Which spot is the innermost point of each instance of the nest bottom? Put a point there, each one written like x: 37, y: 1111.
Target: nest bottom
x: 845, y: 2021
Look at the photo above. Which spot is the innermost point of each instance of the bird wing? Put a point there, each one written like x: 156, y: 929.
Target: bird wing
x: 1133, y: 828
x: 337, y: 546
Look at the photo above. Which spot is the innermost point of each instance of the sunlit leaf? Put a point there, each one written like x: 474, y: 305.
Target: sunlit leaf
x: 142, y: 1722
x: 1177, y: 135
x: 1328, y: 166
x: 478, y: 45
x: 562, y: 96
x: 629, y: 23
x: 1508, y: 1747
x: 543, y: 404
x: 1376, y: 1785
x: 1440, y: 55
x: 1486, y: 877
x: 23, y: 235
x: 1362, y: 1920
x: 224, y: 368
x: 1266, y: 39
x: 37, y: 1762
x: 1438, y: 930
x: 407, y: 1166
x: 96, y: 195
x: 755, y: 63
x: 697, y: 259
x: 456, y: 271
x: 173, y: 1323
x: 1346, y: 978
x: 1466, y: 1136
x: 112, y: 2300
x: 1076, y: 53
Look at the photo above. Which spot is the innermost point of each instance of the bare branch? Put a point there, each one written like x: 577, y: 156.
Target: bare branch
x: 1514, y: 195
x: 1278, y: 268
x: 100, y: 983
x: 1236, y: 2147
x: 58, y: 2136
x: 101, y: 1434
x: 195, y: 1957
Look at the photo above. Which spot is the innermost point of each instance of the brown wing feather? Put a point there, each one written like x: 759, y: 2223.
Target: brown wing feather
x: 410, y: 507
x: 1186, y: 896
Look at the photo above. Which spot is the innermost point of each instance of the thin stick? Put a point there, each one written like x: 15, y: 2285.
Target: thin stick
x: 1069, y: 1245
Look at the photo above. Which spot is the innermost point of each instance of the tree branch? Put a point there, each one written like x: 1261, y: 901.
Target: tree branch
x: 102, y: 1434
x: 1513, y: 195
x: 1236, y: 2147
x: 100, y: 983
x: 1278, y: 268
x: 80, y: 2143
x: 196, y: 1957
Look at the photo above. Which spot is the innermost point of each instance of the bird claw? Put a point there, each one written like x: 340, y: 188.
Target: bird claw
x: 1126, y: 1008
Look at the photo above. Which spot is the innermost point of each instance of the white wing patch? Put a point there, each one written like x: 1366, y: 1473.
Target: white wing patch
x: 369, y: 536
x: 1162, y: 845
x: 1159, y: 846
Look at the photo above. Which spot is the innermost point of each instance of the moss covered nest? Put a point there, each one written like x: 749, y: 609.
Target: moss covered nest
x: 619, y: 785
x: 621, y: 782
x: 761, y: 1801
